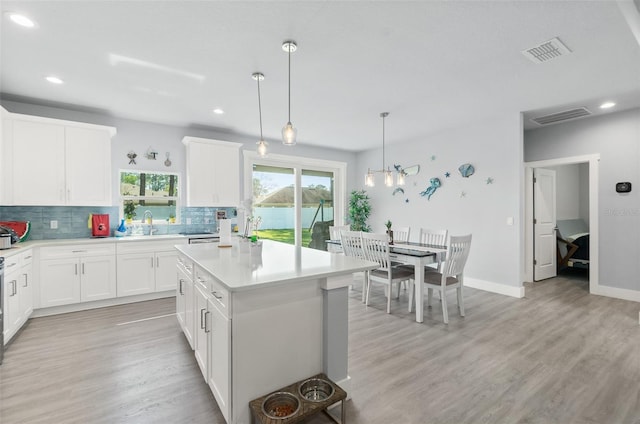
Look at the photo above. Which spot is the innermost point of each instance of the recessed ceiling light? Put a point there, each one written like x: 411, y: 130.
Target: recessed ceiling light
x: 607, y: 105
x: 21, y: 20
x: 54, y: 80
x: 218, y: 111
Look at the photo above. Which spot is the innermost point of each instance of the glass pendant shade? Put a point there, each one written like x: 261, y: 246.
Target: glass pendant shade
x: 400, y: 179
x: 368, y: 179
x: 289, y: 135
x: 388, y: 178
x: 262, y: 148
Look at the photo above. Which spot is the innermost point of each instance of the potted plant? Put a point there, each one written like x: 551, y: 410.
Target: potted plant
x: 359, y: 210
x: 129, y: 211
x: 389, y: 231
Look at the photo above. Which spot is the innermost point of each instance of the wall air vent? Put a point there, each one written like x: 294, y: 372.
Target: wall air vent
x: 562, y: 116
x: 546, y: 51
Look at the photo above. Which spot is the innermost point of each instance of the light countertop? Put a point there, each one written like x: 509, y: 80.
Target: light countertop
x: 279, y: 263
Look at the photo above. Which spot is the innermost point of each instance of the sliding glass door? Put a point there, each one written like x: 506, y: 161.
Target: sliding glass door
x: 294, y: 199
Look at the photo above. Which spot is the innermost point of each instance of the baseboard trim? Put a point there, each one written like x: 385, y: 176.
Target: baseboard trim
x: 345, y: 384
x: 63, y: 309
x: 495, y: 287
x: 617, y: 293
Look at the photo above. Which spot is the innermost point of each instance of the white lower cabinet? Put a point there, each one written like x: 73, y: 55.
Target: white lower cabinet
x: 146, y: 266
x: 212, y: 335
x: 80, y: 273
x: 184, y: 301
x: 18, y: 293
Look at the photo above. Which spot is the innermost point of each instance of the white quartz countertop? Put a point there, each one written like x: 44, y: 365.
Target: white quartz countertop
x: 279, y: 263
x: 22, y: 246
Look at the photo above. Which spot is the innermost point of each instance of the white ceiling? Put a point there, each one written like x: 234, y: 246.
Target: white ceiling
x: 433, y: 65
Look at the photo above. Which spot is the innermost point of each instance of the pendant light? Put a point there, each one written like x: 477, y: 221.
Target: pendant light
x: 289, y: 133
x: 262, y: 145
x: 369, y: 179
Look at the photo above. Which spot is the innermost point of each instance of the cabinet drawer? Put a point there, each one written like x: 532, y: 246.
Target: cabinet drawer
x: 12, y: 263
x: 216, y: 291
x: 186, y: 265
x: 133, y: 246
x: 77, y: 250
x: 27, y: 257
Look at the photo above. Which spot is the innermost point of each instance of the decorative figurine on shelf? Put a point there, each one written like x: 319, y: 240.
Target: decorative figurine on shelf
x: 389, y: 231
x: 132, y: 157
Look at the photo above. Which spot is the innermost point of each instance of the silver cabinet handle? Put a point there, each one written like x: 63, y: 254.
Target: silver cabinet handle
x: 151, y: 262
x: 82, y: 268
x: 205, y: 322
x: 180, y: 289
x: 76, y: 271
x: 14, y: 289
x: 215, y: 294
x: 202, y: 313
x: 78, y: 251
x: 13, y: 264
x: 157, y: 262
x: 26, y: 280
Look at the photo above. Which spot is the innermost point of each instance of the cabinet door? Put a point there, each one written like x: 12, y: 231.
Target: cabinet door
x: 38, y: 163
x: 202, y: 328
x: 189, y: 311
x: 59, y: 282
x: 165, y: 270
x: 136, y: 274
x: 98, y: 278
x: 26, y: 292
x: 213, y: 173
x: 219, y: 359
x: 88, y: 166
x: 11, y: 308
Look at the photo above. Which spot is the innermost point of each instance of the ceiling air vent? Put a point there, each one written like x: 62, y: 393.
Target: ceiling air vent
x: 546, y: 51
x: 562, y: 116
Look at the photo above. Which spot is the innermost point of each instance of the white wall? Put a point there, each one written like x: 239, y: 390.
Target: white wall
x: 616, y: 137
x: 495, y: 150
x: 583, y: 176
x: 139, y: 136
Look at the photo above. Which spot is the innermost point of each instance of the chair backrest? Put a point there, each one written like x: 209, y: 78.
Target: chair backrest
x: 334, y: 231
x: 401, y: 234
x: 457, y: 254
x: 435, y: 237
x: 351, y: 243
x: 376, y: 249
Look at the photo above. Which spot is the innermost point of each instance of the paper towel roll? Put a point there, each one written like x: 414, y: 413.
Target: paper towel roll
x: 225, y: 231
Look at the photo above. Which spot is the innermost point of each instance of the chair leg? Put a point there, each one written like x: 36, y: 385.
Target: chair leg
x: 389, y: 299
x: 429, y: 297
x: 460, y: 301
x: 445, y: 313
x: 364, y: 285
x: 399, y: 285
x: 366, y: 302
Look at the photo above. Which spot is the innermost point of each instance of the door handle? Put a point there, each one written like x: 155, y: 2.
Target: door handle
x: 180, y: 289
x: 82, y: 268
x: 76, y: 271
x: 14, y: 288
x: 26, y: 280
x: 202, y: 318
x: 205, y: 322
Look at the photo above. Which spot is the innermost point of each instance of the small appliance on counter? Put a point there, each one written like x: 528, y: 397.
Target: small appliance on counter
x: 7, y: 237
x: 99, y: 224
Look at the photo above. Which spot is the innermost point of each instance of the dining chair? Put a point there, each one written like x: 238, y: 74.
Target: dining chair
x: 334, y: 234
x: 451, y: 276
x: 352, y: 246
x: 401, y: 234
x: 435, y: 237
x: 376, y: 249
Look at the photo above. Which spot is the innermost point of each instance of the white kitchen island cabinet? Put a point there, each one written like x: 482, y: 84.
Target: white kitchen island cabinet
x: 271, y: 318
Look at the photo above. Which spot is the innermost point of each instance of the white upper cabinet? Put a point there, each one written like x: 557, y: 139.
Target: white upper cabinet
x: 213, y: 172
x: 53, y: 162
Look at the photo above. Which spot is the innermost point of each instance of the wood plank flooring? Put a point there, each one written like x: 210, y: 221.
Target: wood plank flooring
x: 559, y: 355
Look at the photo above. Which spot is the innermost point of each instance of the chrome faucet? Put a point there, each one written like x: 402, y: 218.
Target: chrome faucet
x: 144, y: 219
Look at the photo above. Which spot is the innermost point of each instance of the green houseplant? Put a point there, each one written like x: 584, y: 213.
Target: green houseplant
x: 129, y: 211
x: 359, y: 210
x: 389, y: 230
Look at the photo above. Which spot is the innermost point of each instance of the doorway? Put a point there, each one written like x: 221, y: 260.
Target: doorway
x: 569, y: 212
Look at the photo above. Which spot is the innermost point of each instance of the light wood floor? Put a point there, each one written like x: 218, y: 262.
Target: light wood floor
x: 557, y: 356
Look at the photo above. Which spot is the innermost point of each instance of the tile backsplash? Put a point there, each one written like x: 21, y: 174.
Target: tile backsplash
x: 72, y: 220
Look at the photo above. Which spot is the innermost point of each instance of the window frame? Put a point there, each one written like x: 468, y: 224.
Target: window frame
x: 176, y: 199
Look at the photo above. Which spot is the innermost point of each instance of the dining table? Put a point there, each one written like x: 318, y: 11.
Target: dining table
x: 419, y: 255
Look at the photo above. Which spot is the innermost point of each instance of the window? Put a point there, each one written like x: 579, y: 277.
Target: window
x: 156, y: 192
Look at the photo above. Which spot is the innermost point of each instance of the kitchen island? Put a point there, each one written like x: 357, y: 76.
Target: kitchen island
x: 260, y: 320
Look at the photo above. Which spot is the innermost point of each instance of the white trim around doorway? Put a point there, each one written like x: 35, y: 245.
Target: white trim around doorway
x: 594, y: 175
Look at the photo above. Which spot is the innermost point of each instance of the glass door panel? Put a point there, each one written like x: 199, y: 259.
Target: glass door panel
x: 317, y: 207
x: 274, y: 203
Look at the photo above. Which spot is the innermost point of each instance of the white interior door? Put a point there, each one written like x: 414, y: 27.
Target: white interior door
x: 544, y: 227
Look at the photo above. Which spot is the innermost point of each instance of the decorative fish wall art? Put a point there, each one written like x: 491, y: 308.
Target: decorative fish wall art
x: 398, y: 190
x: 434, y: 185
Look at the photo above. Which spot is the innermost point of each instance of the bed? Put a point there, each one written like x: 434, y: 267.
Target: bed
x: 573, y: 243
